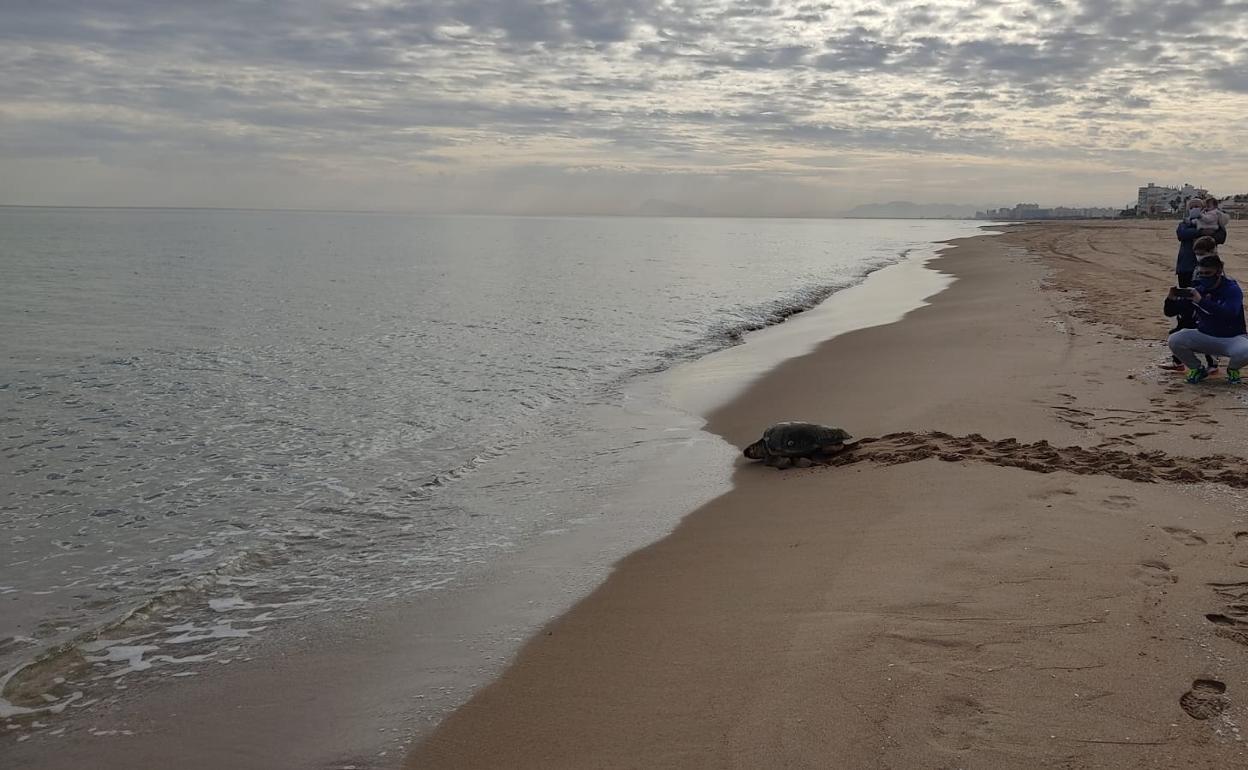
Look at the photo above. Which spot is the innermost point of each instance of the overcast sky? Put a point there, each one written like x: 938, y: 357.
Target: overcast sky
x: 737, y: 106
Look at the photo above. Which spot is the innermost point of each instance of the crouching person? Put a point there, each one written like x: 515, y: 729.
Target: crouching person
x: 1218, y: 304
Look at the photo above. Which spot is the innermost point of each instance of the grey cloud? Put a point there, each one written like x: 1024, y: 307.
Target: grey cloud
x: 316, y: 30
x: 974, y: 141
x: 706, y: 81
x: 749, y: 8
x: 1154, y: 18
x: 855, y: 49
x: 1020, y: 61
x: 1233, y: 78
x: 921, y: 16
x: 783, y: 57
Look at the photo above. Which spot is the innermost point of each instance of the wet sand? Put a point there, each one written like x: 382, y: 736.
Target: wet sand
x: 1027, y: 562
x: 357, y: 689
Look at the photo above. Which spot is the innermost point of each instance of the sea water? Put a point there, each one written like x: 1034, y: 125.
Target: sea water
x: 216, y: 423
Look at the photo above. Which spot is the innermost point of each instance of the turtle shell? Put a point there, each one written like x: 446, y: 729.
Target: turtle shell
x: 801, y: 439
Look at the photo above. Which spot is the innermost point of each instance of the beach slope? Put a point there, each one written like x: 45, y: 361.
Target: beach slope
x: 1027, y: 563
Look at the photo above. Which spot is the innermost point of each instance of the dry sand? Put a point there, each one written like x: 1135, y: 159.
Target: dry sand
x: 1021, y: 567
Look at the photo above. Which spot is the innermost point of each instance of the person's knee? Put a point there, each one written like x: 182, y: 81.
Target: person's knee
x: 1195, y: 341
x: 1239, y: 354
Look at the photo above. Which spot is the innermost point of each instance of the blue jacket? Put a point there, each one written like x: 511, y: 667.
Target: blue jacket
x: 1187, y: 233
x: 1220, y: 312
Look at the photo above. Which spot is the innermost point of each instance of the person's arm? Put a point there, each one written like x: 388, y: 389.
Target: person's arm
x: 1186, y: 231
x: 1227, y: 304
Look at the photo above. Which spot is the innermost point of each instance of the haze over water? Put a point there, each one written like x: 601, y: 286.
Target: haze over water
x: 217, y: 422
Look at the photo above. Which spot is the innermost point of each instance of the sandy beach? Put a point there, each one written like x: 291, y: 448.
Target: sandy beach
x: 1038, y: 557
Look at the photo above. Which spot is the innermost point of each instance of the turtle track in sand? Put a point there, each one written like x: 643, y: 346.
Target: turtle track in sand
x: 1043, y: 457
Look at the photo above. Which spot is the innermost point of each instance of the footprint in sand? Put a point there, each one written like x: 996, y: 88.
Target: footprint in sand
x: 961, y: 722
x: 1120, y: 502
x: 1184, y: 536
x: 1219, y: 619
x: 1241, y: 545
x: 1236, y: 592
x: 1049, y: 494
x: 1206, y: 699
x: 1154, y: 573
x: 1229, y: 627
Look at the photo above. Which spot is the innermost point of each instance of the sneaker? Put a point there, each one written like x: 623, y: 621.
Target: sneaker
x: 1196, y: 375
x: 1172, y: 366
x: 1233, y: 376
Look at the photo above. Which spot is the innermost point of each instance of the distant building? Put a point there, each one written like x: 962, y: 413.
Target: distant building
x: 1032, y: 211
x: 1187, y: 192
x: 1236, y: 206
x: 1155, y: 200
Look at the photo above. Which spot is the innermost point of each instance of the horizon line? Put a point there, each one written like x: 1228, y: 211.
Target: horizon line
x: 408, y: 212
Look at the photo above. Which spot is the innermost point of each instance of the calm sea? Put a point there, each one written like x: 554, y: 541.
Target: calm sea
x: 213, y: 423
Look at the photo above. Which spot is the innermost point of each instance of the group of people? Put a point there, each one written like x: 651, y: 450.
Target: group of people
x: 1206, y: 303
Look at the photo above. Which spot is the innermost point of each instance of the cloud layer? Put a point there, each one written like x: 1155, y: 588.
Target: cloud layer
x: 739, y: 106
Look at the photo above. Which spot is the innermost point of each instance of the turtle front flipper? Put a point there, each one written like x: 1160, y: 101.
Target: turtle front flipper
x: 839, y: 446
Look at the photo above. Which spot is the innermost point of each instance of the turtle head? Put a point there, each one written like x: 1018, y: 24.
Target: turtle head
x: 757, y: 450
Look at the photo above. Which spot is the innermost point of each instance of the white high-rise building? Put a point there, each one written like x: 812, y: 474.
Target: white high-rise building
x: 1155, y: 199
x: 1158, y: 200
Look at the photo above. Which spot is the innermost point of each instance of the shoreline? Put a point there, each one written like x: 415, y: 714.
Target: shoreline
x: 723, y: 642
x: 885, y: 296
x: 922, y: 612
x: 299, y: 668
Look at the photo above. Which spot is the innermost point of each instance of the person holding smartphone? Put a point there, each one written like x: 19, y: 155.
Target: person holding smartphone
x: 1188, y: 233
x: 1217, y: 305
x: 1192, y: 246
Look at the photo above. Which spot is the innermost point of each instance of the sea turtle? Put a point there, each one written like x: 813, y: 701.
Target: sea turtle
x: 797, y: 443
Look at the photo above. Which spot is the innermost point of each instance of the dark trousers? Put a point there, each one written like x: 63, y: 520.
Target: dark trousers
x: 1184, y: 320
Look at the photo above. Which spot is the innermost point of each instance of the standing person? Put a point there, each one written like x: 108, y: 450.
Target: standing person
x: 1218, y: 304
x: 1188, y: 231
x: 1184, y: 265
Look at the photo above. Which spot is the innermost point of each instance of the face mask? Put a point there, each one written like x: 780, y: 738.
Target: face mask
x: 1205, y: 283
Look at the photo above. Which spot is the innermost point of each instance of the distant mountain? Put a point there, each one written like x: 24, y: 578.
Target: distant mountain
x: 908, y: 210
x: 660, y: 208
